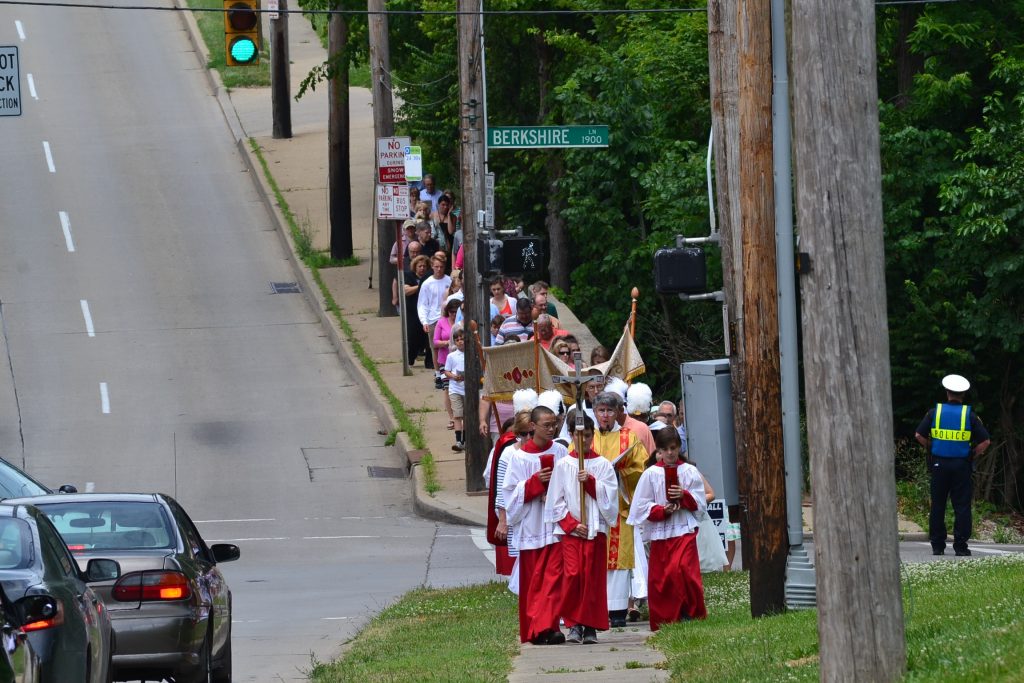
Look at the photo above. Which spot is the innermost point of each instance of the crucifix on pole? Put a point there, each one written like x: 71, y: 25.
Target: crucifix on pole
x: 579, y: 380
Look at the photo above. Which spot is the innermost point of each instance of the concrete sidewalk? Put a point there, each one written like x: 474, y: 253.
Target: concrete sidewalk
x: 299, y: 168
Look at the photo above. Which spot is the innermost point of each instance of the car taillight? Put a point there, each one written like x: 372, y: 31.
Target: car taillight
x: 76, y: 548
x: 152, y: 585
x: 43, y: 624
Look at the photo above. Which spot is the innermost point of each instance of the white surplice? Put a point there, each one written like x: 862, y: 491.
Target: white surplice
x: 531, y: 531
x: 564, y: 495
x: 650, y: 491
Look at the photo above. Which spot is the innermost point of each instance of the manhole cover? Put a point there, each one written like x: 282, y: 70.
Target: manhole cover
x: 386, y: 472
x: 285, y: 287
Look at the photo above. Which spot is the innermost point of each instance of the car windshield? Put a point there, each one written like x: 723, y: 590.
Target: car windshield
x: 110, y: 525
x: 15, y: 543
x: 16, y: 484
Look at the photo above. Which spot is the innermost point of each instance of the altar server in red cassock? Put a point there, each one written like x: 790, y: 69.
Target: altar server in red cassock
x: 584, y: 579
x: 540, y: 554
x: 667, y: 504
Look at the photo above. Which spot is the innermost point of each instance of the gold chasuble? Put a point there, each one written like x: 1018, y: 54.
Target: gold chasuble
x: 629, y: 469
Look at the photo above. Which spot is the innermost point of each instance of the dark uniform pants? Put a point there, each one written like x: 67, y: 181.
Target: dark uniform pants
x: 950, y: 478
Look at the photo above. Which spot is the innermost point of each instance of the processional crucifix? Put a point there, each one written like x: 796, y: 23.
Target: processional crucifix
x: 579, y: 380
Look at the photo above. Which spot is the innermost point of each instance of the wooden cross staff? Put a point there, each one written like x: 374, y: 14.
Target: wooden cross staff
x: 579, y: 380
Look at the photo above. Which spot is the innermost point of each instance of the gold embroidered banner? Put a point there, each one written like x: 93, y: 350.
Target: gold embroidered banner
x: 524, y: 365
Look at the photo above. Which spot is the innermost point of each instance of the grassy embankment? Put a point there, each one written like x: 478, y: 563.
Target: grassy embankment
x: 962, y: 624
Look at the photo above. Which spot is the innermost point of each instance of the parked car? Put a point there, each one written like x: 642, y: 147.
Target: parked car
x: 56, y: 629
x: 16, y: 484
x: 171, y: 607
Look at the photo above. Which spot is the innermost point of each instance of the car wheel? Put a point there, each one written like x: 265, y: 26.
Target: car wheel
x: 222, y: 673
x: 201, y: 674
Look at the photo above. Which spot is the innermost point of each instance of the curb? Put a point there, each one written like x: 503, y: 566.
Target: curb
x: 424, y: 504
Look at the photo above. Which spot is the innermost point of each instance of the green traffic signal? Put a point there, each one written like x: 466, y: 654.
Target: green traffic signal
x: 243, y: 50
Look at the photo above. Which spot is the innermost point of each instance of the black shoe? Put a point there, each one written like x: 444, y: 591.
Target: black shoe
x: 938, y: 551
x: 575, y: 634
x: 964, y: 552
x: 589, y: 635
x: 556, y: 638
x: 617, y: 622
x: 458, y: 447
x: 438, y: 383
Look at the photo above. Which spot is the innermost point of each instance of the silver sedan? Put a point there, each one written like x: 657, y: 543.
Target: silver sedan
x: 171, y: 607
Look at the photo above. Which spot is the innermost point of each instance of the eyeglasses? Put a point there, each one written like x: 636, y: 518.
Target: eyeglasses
x: 564, y: 353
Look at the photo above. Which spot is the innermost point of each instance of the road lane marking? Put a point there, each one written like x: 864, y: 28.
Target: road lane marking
x: 21, y: 29
x: 32, y: 87
x: 480, y: 541
x: 65, y: 225
x: 239, y: 540
x: 334, y: 618
x: 219, y: 521
x: 88, y: 319
x: 49, y: 157
x: 335, y: 538
x: 104, y: 398
x: 90, y: 486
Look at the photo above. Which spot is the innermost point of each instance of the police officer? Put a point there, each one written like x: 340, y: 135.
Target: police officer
x: 954, y: 436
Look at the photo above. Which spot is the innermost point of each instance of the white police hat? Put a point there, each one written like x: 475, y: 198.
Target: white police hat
x: 956, y: 383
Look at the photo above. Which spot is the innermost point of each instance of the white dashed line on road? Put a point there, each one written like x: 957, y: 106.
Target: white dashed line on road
x: 89, y: 329
x: 90, y: 486
x: 21, y: 29
x: 221, y: 521
x: 65, y: 225
x: 104, y: 398
x: 31, y: 86
x: 49, y: 157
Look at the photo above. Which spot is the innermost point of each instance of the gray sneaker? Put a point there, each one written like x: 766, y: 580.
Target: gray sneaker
x: 589, y: 636
x: 575, y: 634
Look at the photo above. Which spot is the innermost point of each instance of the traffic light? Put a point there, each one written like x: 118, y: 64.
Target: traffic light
x: 241, y: 32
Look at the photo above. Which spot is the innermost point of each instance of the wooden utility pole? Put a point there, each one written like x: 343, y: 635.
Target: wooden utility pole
x: 846, y: 341
x: 471, y: 127
x: 762, y: 470
x: 724, y: 66
x: 383, y: 127
x: 280, y: 81
x: 339, y: 189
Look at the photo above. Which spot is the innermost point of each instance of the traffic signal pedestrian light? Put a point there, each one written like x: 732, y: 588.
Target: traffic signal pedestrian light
x: 241, y: 32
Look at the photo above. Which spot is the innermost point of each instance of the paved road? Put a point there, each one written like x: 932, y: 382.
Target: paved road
x: 142, y: 348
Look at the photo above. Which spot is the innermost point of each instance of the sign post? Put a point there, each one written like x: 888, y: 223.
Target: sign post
x: 10, y: 81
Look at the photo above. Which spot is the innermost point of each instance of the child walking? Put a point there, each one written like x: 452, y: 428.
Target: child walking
x: 668, y: 500
x: 455, y: 371
x: 584, y: 607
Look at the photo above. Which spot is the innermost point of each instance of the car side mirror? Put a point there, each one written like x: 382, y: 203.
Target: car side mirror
x: 100, y: 569
x: 36, y: 610
x: 68, y: 488
x: 225, y: 552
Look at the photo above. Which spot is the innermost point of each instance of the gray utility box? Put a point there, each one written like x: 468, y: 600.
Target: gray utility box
x: 710, y: 436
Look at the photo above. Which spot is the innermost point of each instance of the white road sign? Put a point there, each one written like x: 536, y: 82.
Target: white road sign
x: 392, y: 202
x: 10, y: 81
x: 413, y: 164
x: 489, y: 199
x: 273, y: 9
x: 391, y: 159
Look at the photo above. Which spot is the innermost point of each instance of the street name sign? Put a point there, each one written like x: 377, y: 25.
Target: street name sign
x: 10, y: 81
x: 537, y: 137
x: 392, y: 202
x: 391, y: 159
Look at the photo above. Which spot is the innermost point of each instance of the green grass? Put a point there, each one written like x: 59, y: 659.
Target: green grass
x: 405, y: 423
x: 211, y: 25
x: 962, y: 624
x: 461, y: 634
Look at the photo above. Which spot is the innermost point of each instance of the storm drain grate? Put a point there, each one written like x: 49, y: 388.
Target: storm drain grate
x: 378, y: 472
x: 285, y: 287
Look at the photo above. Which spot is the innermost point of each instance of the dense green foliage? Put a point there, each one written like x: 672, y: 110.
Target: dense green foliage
x: 951, y: 83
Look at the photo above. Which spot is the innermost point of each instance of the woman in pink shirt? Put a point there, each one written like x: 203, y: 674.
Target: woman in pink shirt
x: 442, y: 338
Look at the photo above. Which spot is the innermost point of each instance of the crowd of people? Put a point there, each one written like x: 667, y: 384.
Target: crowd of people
x: 584, y: 547
x: 588, y: 547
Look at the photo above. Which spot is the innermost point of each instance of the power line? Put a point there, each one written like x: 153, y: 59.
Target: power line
x: 423, y: 12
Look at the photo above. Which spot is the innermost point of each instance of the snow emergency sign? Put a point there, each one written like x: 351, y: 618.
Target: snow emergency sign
x: 10, y: 81
x: 391, y: 159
